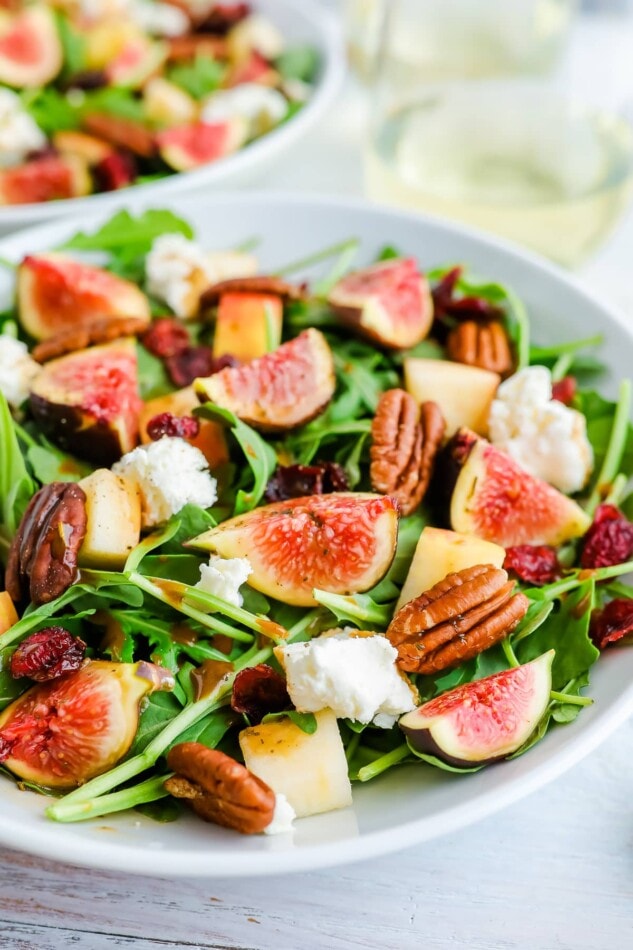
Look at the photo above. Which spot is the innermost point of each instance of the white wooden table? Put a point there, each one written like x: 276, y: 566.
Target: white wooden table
x: 554, y: 872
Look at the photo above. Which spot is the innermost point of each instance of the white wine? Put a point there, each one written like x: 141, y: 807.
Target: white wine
x: 535, y: 168
x: 439, y: 39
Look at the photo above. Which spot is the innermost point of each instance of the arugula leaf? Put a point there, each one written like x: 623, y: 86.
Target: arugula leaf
x: 124, y: 231
x: 16, y: 485
x: 298, y: 62
x: 192, y: 521
x: 259, y: 455
x: 73, y: 46
x: 439, y: 764
x: 153, y: 380
x: 200, y: 77
x: 600, y: 415
x: 355, y: 608
x: 51, y: 110
x: 115, y: 100
x: 160, y: 708
x: 50, y: 464
x: 304, y: 721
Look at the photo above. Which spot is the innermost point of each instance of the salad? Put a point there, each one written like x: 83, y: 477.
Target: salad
x: 267, y: 535
x: 96, y: 95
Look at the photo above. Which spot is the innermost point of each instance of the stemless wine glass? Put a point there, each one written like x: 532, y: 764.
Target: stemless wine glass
x: 543, y: 158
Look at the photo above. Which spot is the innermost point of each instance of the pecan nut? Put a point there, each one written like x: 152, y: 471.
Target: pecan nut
x: 219, y: 789
x: 259, y: 284
x: 44, y: 552
x: 405, y: 443
x: 485, y: 345
x: 98, y: 330
x: 455, y: 620
x: 123, y: 133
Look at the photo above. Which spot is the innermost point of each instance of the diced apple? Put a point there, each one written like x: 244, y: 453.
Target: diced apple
x: 211, y: 438
x: 88, y: 147
x: 441, y: 552
x: 8, y: 613
x: 248, y: 325
x: 113, y: 516
x: 310, y: 770
x: 463, y: 393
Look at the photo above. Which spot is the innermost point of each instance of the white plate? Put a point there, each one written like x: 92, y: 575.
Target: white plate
x: 413, y: 803
x: 299, y: 22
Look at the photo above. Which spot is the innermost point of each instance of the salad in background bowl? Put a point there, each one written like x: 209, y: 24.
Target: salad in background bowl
x: 99, y: 97
x: 272, y: 530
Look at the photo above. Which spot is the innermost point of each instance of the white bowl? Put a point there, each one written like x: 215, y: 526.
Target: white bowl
x: 299, y: 22
x: 409, y: 804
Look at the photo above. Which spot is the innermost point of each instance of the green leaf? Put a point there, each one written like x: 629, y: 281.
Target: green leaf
x: 359, y: 609
x: 73, y: 46
x: 153, y: 380
x: 259, y: 455
x: 200, y: 77
x: 305, y: 721
x: 116, y: 101
x: 439, y: 764
x: 298, y: 62
x: 123, y: 230
x: 160, y: 708
x: 192, y: 521
x: 600, y: 415
x: 50, y: 464
x: 51, y: 110
x: 209, y: 731
x: 16, y: 485
x: 567, y: 632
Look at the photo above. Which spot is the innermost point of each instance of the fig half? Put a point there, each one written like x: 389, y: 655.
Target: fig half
x: 343, y: 543
x: 281, y: 390
x: 64, y: 732
x: 481, y: 722
x: 30, y: 50
x: 389, y: 303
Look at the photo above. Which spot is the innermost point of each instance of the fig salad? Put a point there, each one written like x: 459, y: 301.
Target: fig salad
x: 265, y: 535
x: 98, y: 95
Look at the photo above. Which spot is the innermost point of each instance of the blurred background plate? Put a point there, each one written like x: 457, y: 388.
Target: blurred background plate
x: 410, y: 804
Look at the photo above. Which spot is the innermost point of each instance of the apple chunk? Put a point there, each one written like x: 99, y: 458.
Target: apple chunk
x: 8, y: 613
x: 310, y: 770
x: 463, y: 393
x: 113, y: 520
x: 247, y: 325
x: 211, y: 437
x: 441, y: 552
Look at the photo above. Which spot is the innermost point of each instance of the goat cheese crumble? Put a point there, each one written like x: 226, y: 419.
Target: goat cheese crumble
x: 223, y: 577
x: 353, y: 674
x: 283, y: 816
x: 259, y: 106
x: 178, y: 270
x: 19, y: 133
x: 17, y: 370
x: 546, y: 438
x: 169, y: 474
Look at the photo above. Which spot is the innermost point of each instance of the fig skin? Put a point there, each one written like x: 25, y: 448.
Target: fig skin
x: 66, y: 731
x: 487, y: 707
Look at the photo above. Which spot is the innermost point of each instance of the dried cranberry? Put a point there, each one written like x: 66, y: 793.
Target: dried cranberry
x: 609, y: 540
x: 446, y: 304
x: 295, y: 481
x: 184, y: 427
x: 534, y: 563
x: 88, y: 79
x: 193, y: 361
x: 224, y: 16
x: 115, y: 171
x: 564, y: 390
x: 259, y: 690
x: 165, y: 337
x: 6, y: 747
x: 47, y: 655
x: 612, y: 623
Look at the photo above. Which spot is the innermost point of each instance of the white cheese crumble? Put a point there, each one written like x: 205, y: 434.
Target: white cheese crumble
x: 283, y: 817
x: 178, y: 270
x: 17, y: 370
x: 169, y: 474
x: 19, y: 133
x: 356, y: 676
x: 159, y: 19
x: 259, y: 106
x: 545, y: 437
x: 223, y: 577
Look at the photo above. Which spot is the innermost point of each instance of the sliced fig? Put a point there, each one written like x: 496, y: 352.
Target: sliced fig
x: 343, y: 543
x: 498, y: 501
x: 57, y: 293
x: 189, y: 146
x: 49, y: 178
x: 139, y: 59
x: 88, y: 402
x: 481, y: 722
x: 30, y: 50
x: 389, y: 303
x: 278, y: 391
x: 64, y: 732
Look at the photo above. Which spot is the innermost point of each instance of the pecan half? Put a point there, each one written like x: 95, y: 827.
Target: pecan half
x: 98, y: 330
x: 259, y: 284
x: 405, y: 442
x: 455, y: 620
x: 481, y: 344
x: 196, y: 44
x: 124, y: 133
x: 219, y: 789
x: 43, y: 555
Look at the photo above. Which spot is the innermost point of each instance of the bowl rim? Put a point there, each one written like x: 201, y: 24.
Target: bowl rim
x: 41, y: 839
x: 328, y: 36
